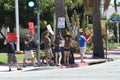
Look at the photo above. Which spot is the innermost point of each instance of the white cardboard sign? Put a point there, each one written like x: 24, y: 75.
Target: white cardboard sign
x: 50, y: 29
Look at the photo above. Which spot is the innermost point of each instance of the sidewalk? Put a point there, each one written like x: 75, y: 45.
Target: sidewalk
x: 111, y: 55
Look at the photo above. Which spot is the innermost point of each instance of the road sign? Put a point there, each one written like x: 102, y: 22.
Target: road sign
x: 115, y: 19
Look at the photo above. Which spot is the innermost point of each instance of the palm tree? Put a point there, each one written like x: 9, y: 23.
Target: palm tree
x: 59, y: 12
x: 93, y: 6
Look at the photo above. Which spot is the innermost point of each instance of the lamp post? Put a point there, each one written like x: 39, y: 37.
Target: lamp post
x: 17, y: 23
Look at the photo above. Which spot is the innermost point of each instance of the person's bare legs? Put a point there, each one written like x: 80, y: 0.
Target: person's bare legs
x: 47, y: 61
x: 65, y: 55
x: 17, y: 66
x: 24, y: 62
x: 33, y: 61
x: 9, y: 65
x: 81, y: 56
x: 51, y: 56
x: 68, y: 54
x: 60, y: 57
x: 56, y: 58
x: 50, y: 59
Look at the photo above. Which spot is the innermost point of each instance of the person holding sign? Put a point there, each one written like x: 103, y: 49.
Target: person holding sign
x: 48, y: 50
x: 31, y: 27
x: 58, y: 54
x: 11, y: 36
x: 11, y: 54
x: 29, y: 50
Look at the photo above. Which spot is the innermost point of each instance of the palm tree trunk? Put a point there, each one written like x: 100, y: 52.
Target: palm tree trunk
x: 98, y: 50
x: 59, y: 12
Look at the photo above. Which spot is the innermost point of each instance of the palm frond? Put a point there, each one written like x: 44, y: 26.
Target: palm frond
x: 88, y: 6
x: 106, y: 4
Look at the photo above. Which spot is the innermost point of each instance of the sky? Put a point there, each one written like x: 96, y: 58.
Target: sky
x: 112, y: 1
x: 111, y: 10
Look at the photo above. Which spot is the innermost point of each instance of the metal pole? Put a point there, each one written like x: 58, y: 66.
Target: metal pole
x: 106, y: 38
x: 38, y: 33
x: 17, y: 23
x: 118, y: 33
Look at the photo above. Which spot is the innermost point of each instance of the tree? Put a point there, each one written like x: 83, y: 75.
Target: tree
x: 59, y: 12
x: 113, y: 26
x: 93, y: 7
x: 98, y: 50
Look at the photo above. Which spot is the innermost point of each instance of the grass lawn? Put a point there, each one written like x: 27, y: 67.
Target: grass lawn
x: 3, y: 57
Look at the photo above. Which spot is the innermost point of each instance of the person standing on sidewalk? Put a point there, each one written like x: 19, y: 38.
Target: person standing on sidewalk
x: 82, y: 43
x: 62, y: 43
x: 11, y: 54
x: 28, y: 53
x: 67, y: 50
x: 71, y: 50
x: 58, y: 54
x: 48, y: 50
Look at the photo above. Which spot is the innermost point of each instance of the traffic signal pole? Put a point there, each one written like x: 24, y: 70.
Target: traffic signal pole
x: 38, y: 34
x: 17, y: 24
x: 34, y: 5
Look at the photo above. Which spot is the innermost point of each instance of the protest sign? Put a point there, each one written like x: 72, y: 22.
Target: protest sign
x: 11, y: 36
x: 31, y: 27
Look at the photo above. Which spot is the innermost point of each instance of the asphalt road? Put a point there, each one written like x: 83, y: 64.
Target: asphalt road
x: 104, y: 71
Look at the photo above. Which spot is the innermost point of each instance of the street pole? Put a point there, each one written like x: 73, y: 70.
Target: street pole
x: 106, y: 38
x: 17, y: 23
x: 38, y: 34
x: 118, y: 33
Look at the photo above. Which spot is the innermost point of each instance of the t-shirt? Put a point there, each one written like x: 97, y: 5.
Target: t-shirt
x: 82, y: 41
x: 11, y: 47
x: 62, y: 43
x: 29, y: 46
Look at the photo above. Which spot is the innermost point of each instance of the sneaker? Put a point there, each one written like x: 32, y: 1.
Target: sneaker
x: 67, y: 63
x: 59, y: 64
x: 24, y: 65
x: 83, y: 61
x: 19, y: 69
x: 48, y: 65
x: 9, y: 69
x: 35, y: 65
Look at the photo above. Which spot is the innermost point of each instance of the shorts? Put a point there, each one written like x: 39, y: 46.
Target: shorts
x: 29, y: 54
x: 57, y: 49
x: 11, y: 58
x: 82, y: 50
x: 66, y: 50
x: 48, y: 53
